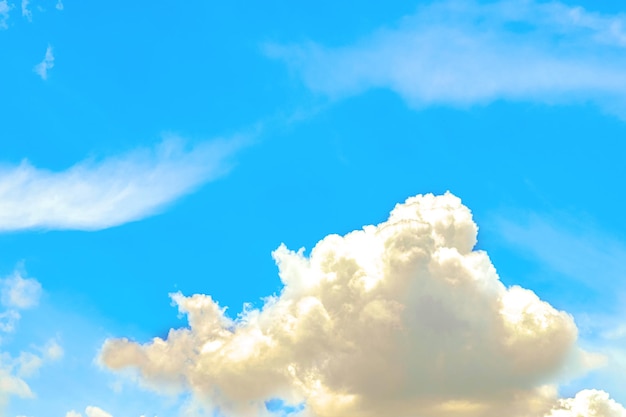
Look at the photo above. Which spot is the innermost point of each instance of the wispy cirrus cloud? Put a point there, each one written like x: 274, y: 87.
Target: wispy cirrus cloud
x: 570, y: 248
x: 97, y: 194
x: 461, y: 52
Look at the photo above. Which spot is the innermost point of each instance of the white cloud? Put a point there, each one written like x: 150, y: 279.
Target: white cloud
x: 28, y: 364
x: 402, y: 318
x: 90, y: 411
x: 59, y: 5
x: 5, y: 8
x: 94, y: 195
x: 96, y: 412
x: 8, y: 320
x: 588, y: 403
x: 18, y: 292
x: 14, y: 371
x: 460, y: 52
x: 11, y: 385
x: 47, y: 64
x: 26, y: 11
x: 53, y: 351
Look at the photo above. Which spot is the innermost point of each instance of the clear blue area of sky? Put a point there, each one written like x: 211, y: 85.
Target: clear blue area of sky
x: 126, y: 73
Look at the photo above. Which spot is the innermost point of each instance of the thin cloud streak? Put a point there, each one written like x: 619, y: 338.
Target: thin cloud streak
x: 592, y: 258
x: 93, y: 195
x: 462, y: 53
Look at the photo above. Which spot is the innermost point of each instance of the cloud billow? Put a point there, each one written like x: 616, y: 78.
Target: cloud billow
x: 402, y: 318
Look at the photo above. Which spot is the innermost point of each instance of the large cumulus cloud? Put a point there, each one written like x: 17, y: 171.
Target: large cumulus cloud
x: 403, y: 318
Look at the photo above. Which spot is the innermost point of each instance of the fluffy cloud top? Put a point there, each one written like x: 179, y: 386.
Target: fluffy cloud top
x: 94, y: 195
x: 462, y: 52
x: 403, y: 318
x: 588, y: 403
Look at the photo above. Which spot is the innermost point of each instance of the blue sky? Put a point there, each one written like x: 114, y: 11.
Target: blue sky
x: 150, y: 150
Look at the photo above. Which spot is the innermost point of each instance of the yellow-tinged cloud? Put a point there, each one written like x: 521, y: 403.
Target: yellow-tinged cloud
x: 399, y: 319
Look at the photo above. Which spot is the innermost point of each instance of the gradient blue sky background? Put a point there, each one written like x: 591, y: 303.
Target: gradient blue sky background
x: 326, y: 115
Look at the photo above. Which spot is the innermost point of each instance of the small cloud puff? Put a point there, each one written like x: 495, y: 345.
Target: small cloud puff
x: 53, y: 351
x: 47, y: 64
x: 18, y: 292
x: 90, y: 411
x: 401, y: 318
x: 26, y: 11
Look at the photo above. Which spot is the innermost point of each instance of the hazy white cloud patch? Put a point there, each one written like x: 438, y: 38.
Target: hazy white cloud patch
x: 59, y: 5
x: 97, y: 194
x: 26, y: 12
x: 5, y: 9
x: 400, y: 318
x: 90, y: 411
x: 461, y: 52
x: 570, y: 248
x: 46, y: 65
x: 18, y: 293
